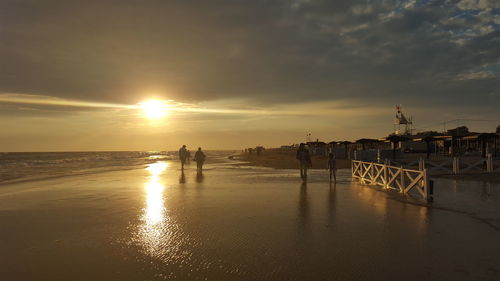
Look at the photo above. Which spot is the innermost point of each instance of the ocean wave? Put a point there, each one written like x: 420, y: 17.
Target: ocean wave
x: 27, y: 166
x: 21, y: 166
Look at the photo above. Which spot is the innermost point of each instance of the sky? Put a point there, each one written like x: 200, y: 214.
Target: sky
x: 236, y: 74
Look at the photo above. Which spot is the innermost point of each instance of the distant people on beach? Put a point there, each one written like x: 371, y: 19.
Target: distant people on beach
x: 188, y: 156
x: 183, y: 154
x: 199, y: 157
x: 304, y: 160
x: 331, y: 165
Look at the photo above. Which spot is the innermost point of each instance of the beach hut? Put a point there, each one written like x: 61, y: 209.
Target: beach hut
x: 367, y: 149
x: 396, y: 140
x: 442, y: 144
x: 317, y: 147
x: 367, y: 143
x: 346, y: 145
x: 332, y: 146
x: 485, y: 139
x: 428, y: 140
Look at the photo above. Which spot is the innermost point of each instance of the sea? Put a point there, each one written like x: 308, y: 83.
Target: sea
x: 26, y: 166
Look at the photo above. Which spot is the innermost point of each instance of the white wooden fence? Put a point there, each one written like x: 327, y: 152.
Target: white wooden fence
x: 391, y: 177
x: 455, y: 165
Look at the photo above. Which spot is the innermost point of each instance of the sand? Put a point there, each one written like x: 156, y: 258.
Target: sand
x: 243, y: 223
x: 474, y: 177
x: 286, y: 160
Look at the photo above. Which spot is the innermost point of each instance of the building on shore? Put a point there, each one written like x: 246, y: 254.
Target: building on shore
x: 317, y: 147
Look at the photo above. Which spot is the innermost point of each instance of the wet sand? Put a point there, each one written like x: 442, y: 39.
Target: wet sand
x: 286, y: 160
x: 474, y: 177
x: 243, y: 223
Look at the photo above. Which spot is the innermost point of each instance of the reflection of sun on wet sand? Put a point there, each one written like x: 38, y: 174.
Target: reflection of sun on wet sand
x: 159, y: 234
x: 241, y: 224
x: 154, y: 218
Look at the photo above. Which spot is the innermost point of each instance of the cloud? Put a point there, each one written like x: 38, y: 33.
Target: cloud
x: 478, y: 4
x: 478, y: 75
x: 265, y: 52
x: 362, y: 9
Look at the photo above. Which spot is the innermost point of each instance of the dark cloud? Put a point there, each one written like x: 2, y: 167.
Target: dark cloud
x: 277, y: 51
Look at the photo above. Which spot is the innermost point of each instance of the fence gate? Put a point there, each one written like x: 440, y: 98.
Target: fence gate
x: 391, y: 177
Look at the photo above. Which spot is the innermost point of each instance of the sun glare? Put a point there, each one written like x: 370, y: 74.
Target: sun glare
x: 154, y: 109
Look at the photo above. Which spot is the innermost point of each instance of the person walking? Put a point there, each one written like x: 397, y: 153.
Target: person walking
x: 188, y: 156
x: 304, y: 159
x: 331, y: 165
x: 183, y: 156
x: 199, y: 157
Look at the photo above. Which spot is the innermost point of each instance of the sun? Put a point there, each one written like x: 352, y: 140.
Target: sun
x: 154, y: 109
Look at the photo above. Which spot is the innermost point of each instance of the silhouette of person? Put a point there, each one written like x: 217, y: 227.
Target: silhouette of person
x: 188, y: 156
x: 199, y: 157
x: 304, y: 159
x: 183, y: 156
x: 331, y: 165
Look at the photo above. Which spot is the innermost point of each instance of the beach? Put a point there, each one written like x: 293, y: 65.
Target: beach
x: 240, y: 222
x: 274, y: 158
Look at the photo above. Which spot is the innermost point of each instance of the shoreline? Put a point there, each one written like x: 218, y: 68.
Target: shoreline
x: 80, y: 173
x: 269, y: 159
x: 285, y: 160
x: 57, y: 172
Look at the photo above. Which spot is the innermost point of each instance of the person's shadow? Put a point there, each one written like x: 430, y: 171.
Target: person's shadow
x: 199, y: 177
x: 333, y: 186
x: 303, y: 201
x: 303, y: 215
x: 332, y: 198
x: 182, y: 178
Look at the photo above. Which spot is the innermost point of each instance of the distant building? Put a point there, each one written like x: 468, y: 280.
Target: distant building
x: 288, y: 147
x: 317, y: 147
x: 259, y: 149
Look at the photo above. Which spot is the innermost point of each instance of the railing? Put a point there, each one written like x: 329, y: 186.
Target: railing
x: 391, y: 177
x: 454, y: 165
x: 493, y: 165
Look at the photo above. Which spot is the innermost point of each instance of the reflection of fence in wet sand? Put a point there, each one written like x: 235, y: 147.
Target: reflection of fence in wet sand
x: 454, y: 165
x: 391, y: 177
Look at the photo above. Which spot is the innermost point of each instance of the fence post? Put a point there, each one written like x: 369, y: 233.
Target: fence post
x: 489, y: 163
x: 372, y: 173
x: 456, y: 165
x: 386, y: 186
x: 361, y: 172
x: 430, y: 194
x: 453, y: 164
x: 424, y: 184
x: 421, y: 164
x: 402, y: 179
